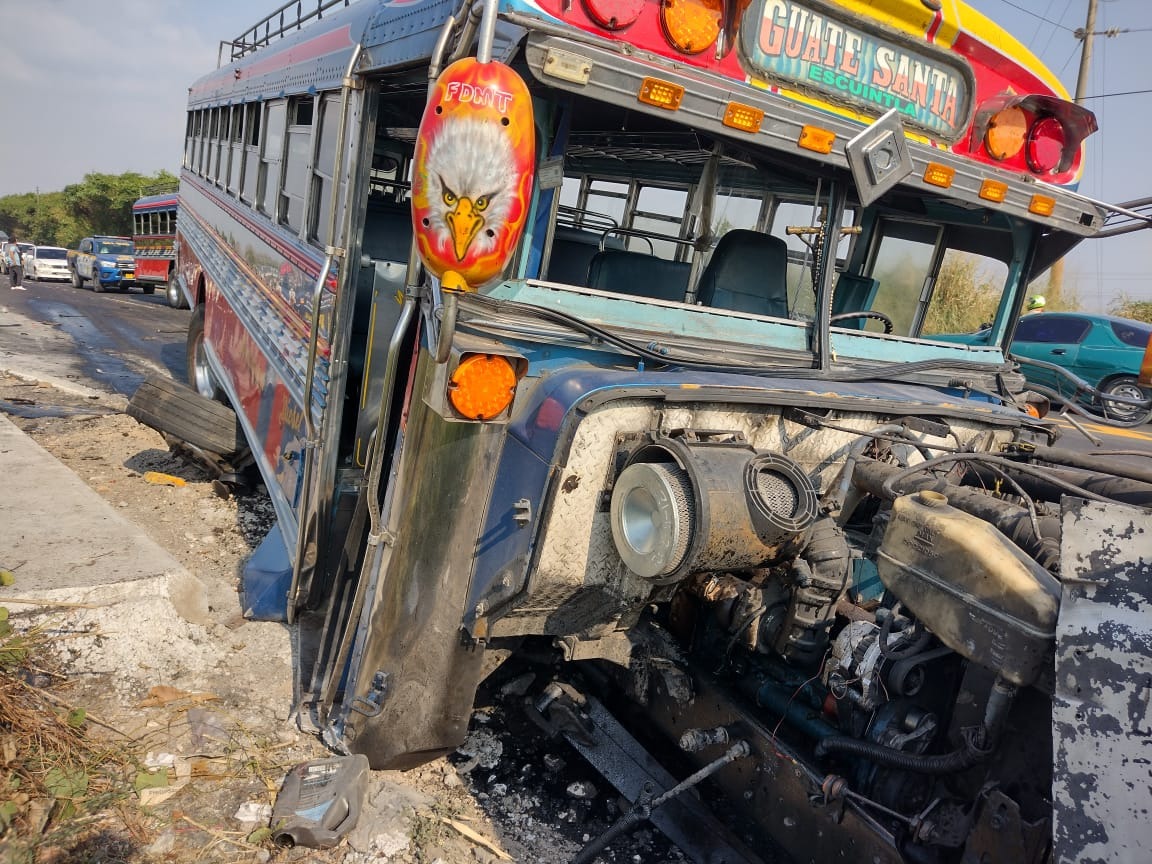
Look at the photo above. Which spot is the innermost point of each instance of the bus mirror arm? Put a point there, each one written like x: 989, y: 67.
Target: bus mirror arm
x: 448, y: 312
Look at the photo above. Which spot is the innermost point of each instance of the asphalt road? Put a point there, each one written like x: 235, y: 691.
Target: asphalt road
x: 116, y: 339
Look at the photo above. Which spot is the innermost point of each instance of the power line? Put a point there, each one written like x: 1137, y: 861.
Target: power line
x: 1121, y: 93
x: 1034, y: 15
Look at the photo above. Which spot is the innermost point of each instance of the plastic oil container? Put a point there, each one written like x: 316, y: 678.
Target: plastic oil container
x: 319, y: 802
x: 970, y: 585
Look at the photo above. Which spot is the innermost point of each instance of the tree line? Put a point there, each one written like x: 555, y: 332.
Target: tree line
x: 99, y: 204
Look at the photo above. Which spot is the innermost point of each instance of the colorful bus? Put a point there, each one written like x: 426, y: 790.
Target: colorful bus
x: 154, y: 233
x: 632, y: 335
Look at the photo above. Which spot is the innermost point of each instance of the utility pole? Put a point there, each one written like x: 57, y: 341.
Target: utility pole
x: 1056, y: 274
x: 1086, y: 52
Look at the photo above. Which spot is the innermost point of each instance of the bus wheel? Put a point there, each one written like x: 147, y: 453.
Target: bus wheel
x: 175, y: 298
x: 200, y: 374
x: 148, y: 289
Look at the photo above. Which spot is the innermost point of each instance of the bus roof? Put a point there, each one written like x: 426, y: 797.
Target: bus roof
x: 155, y: 202
x: 959, y: 54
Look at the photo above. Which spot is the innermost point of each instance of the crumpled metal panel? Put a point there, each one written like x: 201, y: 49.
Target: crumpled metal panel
x: 1101, y: 714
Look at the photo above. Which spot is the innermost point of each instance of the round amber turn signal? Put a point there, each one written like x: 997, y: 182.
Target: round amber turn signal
x: 1006, y: 133
x: 482, y: 386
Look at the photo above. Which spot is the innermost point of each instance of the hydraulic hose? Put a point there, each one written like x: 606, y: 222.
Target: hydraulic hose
x: 944, y: 763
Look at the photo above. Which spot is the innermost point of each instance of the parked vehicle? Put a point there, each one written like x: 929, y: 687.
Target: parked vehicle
x: 1083, y: 358
x: 106, y: 262
x: 817, y: 563
x: 1105, y: 351
x: 46, y: 263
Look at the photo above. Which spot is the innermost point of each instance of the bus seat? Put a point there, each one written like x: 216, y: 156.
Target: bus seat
x: 572, y: 254
x: 748, y: 273
x: 853, y: 294
x: 639, y: 274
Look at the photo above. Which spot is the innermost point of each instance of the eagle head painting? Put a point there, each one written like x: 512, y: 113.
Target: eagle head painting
x: 472, y: 180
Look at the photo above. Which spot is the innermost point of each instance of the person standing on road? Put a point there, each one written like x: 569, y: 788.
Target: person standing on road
x: 15, y: 265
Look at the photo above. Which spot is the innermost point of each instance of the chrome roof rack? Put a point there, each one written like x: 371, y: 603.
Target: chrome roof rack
x: 287, y: 19
x: 1127, y: 217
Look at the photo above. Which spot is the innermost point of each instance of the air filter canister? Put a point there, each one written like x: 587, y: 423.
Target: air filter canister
x: 708, y: 507
x: 653, y: 515
x: 781, y: 498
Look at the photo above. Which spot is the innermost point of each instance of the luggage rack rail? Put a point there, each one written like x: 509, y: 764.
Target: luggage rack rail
x: 288, y: 18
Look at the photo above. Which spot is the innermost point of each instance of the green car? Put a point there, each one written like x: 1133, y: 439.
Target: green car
x: 1105, y: 351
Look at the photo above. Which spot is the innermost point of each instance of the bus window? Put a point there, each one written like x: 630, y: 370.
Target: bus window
x: 295, y: 182
x: 321, y: 217
x: 901, y: 264
x: 607, y: 198
x: 236, y: 150
x: 935, y: 280
x: 251, y: 168
x: 732, y: 209
x: 570, y: 192
x: 967, y: 293
x: 270, y: 158
x: 189, y: 138
x: 660, y: 211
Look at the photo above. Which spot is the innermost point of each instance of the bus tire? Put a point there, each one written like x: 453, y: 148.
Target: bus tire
x: 175, y: 296
x: 148, y: 289
x: 200, y: 374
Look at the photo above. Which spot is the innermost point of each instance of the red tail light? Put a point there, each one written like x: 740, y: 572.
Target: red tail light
x: 1040, y: 133
x: 614, y: 14
x: 1045, y: 147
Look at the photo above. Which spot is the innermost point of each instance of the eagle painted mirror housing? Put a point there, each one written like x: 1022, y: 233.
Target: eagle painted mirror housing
x: 472, y: 173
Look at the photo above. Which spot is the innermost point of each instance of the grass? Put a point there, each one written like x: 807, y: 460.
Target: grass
x: 62, y: 790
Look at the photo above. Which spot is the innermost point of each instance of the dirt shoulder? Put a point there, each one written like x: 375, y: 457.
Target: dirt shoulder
x: 177, y: 683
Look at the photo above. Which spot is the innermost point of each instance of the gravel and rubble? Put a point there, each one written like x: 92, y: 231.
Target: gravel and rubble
x: 196, y: 693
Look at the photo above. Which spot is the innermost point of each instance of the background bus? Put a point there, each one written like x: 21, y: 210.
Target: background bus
x: 154, y: 232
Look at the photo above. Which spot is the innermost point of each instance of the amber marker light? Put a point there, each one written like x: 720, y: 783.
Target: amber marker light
x: 939, y: 175
x: 482, y: 386
x: 1042, y: 205
x: 1145, y: 377
x: 1007, y: 130
x: 743, y: 117
x: 691, y: 25
x: 816, y: 139
x: 662, y: 94
x: 993, y: 190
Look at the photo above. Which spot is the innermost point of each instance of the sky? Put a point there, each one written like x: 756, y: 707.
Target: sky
x: 99, y: 86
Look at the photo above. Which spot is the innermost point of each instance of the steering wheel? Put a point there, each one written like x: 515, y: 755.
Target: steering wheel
x: 867, y: 313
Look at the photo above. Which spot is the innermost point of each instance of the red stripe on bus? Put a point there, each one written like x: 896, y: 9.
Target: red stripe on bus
x: 310, y: 49
x: 982, y: 54
x: 934, y: 27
